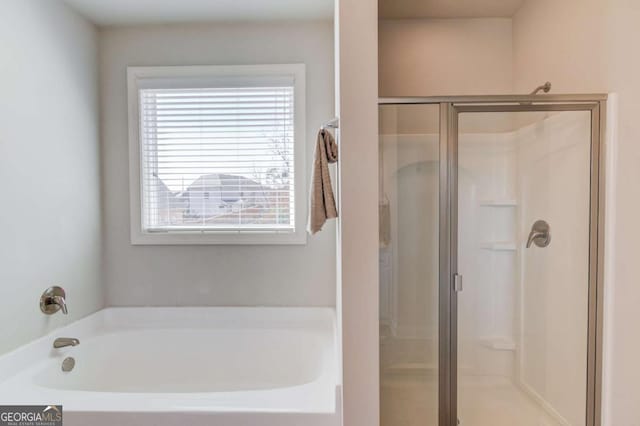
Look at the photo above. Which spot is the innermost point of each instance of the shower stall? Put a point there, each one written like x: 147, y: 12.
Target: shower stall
x: 491, y: 248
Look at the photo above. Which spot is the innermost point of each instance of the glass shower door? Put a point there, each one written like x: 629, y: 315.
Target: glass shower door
x: 524, y: 227
x: 409, y: 230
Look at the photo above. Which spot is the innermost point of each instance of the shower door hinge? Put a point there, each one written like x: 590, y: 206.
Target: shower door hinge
x: 457, y: 283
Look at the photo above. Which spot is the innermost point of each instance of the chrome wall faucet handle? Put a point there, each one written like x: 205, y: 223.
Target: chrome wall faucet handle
x: 540, y: 234
x: 53, y: 300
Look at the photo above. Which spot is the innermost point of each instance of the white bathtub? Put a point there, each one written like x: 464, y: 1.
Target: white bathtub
x: 185, y: 366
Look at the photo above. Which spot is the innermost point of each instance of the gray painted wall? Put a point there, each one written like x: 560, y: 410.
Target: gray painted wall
x: 211, y: 275
x: 49, y: 166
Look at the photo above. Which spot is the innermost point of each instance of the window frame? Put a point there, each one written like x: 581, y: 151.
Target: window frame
x: 197, y: 76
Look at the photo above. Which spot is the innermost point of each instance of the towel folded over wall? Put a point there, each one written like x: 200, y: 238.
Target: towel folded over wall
x: 322, y: 204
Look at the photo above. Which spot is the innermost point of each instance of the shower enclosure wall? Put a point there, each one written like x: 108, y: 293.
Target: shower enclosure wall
x: 491, y: 233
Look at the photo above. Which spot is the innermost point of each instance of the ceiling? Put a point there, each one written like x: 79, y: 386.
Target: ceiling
x: 398, y: 9
x: 138, y: 12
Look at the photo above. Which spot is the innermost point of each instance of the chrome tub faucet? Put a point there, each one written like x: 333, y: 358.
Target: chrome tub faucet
x: 63, y: 342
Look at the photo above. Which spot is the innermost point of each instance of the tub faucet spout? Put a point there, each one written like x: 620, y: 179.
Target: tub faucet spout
x: 63, y: 342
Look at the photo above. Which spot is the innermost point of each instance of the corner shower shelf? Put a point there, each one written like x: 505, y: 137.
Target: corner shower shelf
x: 499, y: 203
x: 498, y: 343
x: 411, y: 368
x: 499, y: 246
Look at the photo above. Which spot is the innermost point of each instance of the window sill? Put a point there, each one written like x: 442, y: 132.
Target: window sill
x: 298, y: 237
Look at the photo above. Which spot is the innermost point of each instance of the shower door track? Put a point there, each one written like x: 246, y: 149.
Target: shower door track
x: 450, y: 107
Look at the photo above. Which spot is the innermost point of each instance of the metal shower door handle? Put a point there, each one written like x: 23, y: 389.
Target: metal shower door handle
x: 540, y: 234
x: 457, y: 283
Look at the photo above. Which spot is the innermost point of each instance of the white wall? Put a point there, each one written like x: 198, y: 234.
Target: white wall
x: 588, y: 46
x: 487, y: 251
x: 357, y: 301
x: 49, y: 166
x: 562, y: 42
x: 409, y: 262
x: 553, y: 167
x: 622, y: 363
x: 211, y: 275
x: 427, y: 57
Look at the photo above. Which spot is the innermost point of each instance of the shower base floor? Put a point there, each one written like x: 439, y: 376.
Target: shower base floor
x: 484, y: 401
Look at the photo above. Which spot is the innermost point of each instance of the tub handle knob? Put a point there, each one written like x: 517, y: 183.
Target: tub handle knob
x: 53, y: 300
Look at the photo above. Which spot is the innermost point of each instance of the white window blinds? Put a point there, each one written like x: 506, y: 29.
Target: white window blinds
x: 217, y: 159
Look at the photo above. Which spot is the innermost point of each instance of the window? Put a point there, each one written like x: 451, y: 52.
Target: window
x: 217, y: 154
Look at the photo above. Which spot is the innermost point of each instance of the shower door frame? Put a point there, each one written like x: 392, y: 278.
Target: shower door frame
x: 450, y: 108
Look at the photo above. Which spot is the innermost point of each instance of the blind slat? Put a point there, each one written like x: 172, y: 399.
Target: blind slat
x: 217, y: 159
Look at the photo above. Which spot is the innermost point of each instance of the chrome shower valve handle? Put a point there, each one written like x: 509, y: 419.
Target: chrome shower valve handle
x: 53, y: 300
x: 540, y: 234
